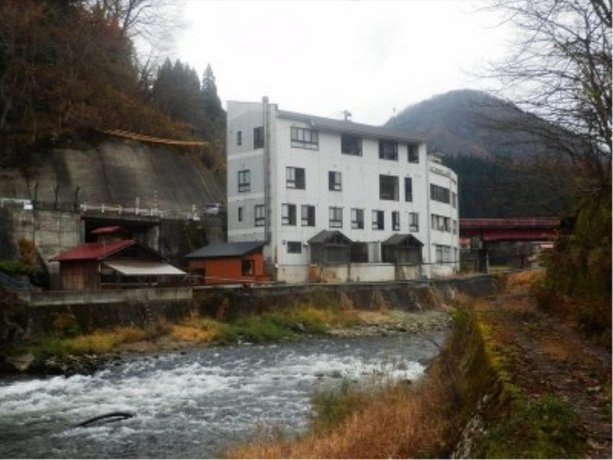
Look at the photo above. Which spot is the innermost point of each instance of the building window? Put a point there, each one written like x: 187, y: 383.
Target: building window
x: 378, y: 220
x: 351, y: 145
x: 441, y: 223
x: 240, y: 213
x: 239, y: 138
x: 444, y: 254
x: 244, y: 181
x: 260, y: 215
x: 294, y: 247
x: 395, y: 221
x: 334, y: 181
x: 304, y: 138
x: 388, y: 187
x: 357, y: 219
x: 388, y: 150
x: 413, y: 222
x: 454, y: 227
x: 408, y: 189
x: 336, y: 217
x: 413, y: 153
x: 438, y: 193
x: 308, y: 215
x: 258, y: 137
x: 295, y: 178
x: 454, y: 199
x: 288, y: 214
x: 247, y: 267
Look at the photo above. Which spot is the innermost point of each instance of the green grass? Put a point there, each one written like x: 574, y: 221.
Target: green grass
x: 547, y: 427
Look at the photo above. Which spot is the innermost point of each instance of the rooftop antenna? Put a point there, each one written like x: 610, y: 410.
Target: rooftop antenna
x: 346, y: 115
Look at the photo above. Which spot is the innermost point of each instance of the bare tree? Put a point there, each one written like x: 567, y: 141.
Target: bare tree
x: 561, y: 70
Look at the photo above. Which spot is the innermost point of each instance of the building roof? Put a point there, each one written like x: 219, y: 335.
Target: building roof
x: 328, y: 236
x: 93, y: 251
x: 105, y: 230
x: 225, y: 250
x: 144, y: 268
x: 404, y: 239
x: 349, y: 127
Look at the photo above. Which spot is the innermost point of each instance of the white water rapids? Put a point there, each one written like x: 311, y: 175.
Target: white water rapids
x: 195, y: 403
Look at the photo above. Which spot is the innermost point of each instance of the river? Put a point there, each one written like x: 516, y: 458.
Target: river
x: 195, y: 403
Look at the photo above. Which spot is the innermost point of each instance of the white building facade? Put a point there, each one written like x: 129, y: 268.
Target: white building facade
x: 337, y: 200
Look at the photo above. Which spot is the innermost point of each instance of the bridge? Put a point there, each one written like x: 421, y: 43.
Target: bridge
x: 510, y: 229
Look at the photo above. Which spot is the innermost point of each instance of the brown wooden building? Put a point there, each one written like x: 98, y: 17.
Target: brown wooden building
x: 227, y: 263
x: 113, y: 263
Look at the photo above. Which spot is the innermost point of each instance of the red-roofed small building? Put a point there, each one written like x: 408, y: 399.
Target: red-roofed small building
x: 112, y: 262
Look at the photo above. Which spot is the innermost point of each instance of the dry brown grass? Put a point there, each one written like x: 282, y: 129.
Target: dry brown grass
x: 103, y: 341
x: 400, y: 422
x: 523, y: 280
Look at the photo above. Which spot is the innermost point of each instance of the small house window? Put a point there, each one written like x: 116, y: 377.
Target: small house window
x: 247, y: 267
x: 260, y: 215
x: 388, y: 150
x: 336, y: 217
x: 294, y: 247
x: 258, y: 137
x: 413, y: 153
x: 308, y: 215
x: 334, y: 181
x: 304, y: 138
x: 357, y: 219
x: 288, y: 214
x: 441, y: 194
x: 239, y: 138
x: 295, y: 178
x: 351, y: 145
x: 395, y: 221
x: 378, y: 220
x: 240, y: 214
x: 244, y: 181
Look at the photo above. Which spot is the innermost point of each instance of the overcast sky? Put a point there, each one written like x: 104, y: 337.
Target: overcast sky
x: 323, y: 57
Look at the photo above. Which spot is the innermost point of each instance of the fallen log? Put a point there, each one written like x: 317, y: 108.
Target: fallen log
x: 106, y: 418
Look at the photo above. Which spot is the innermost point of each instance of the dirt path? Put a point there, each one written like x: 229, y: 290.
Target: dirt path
x: 546, y: 355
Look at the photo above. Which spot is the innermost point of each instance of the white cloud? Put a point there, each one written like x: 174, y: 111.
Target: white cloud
x: 322, y: 57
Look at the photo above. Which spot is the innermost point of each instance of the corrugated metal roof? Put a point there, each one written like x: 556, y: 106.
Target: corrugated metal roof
x: 400, y: 238
x: 144, y: 268
x: 225, y: 249
x: 349, y: 127
x: 93, y: 251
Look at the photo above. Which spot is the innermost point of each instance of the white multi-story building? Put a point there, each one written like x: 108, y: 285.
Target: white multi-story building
x: 338, y: 200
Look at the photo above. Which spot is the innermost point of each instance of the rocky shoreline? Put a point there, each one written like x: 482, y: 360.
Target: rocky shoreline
x: 371, y: 324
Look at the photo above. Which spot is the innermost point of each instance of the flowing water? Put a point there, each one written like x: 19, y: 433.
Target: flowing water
x: 194, y: 403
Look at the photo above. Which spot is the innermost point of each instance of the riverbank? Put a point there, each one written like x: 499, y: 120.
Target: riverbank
x: 68, y: 354
x: 512, y: 381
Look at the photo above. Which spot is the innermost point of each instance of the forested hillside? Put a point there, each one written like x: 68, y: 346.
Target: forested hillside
x: 68, y: 67
x: 485, y: 141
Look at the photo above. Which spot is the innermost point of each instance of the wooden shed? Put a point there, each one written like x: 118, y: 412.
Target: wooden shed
x: 113, y: 264
x: 227, y: 263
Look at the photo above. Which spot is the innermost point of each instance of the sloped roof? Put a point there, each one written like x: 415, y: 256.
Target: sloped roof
x: 93, y: 251
x: 325, y: 236
x: 225, y: 250
x: 349, y: 127
x: 144, y: 268
x: 402, y: 239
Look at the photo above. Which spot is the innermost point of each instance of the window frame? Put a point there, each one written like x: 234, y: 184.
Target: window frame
x: 413, y: 222
x: 357, y: 218
x: 258, y: 137
x: 440, y: 194
x: 310, y: 212
x: 351, y: 145
x: 378, y: 219
x: 335, y: 217
x: 247, y: 267
x: 239, y: 137
x: 295, y: 178
x: 395, y: 183
x: 408, y: 189
x: 304, y: 138
x: 259, y: 215
x: 335, y: 181
x: 396, y: 221
x: 288, y: 214
x: 291, y: 247
x: 239, y: 216
x: 413, y: 153
x: 384, y: 154
x: 244, y: 181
